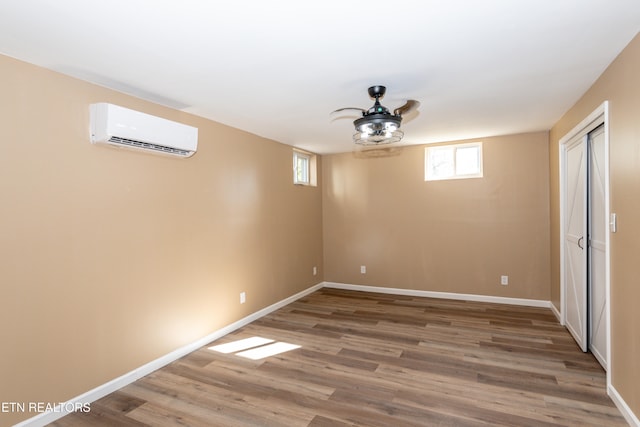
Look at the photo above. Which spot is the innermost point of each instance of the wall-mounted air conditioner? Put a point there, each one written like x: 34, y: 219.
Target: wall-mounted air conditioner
x: 119, y: 126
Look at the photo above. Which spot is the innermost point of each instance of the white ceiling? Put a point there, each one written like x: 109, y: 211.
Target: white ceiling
x: 278, y: 68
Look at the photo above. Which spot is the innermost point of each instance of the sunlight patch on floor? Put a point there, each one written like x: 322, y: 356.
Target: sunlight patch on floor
x: 240, y: 345
x: 254, y: 348
x: 267, y: 350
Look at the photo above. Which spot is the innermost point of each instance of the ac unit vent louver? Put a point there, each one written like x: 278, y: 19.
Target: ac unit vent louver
x: 121, y: 127
x: 147, y: 146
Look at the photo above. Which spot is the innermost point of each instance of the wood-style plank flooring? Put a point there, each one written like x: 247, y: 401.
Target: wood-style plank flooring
x: 377, y: 360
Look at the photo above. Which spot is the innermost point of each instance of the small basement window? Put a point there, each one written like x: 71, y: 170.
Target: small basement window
x: 304, y: 168
x: 456, y: 161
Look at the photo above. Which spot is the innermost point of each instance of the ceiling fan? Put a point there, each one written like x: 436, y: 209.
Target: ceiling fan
x: 378, y: 125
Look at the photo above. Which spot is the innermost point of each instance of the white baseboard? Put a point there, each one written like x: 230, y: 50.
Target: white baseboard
x: 556, y: 312
x: 442, y: 295
x: 627, y: 413
x: 126, y: 379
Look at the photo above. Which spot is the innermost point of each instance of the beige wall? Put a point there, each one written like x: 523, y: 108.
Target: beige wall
x: 111, y: 258
x: 620, y: 85
x: 449, y: 236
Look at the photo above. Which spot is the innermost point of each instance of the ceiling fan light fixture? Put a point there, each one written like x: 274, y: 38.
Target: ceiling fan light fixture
x: 380, y: 137
x: 377, y: 129
x: 378, y: 125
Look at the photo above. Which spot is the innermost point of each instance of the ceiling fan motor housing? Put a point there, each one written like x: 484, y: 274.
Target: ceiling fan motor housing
x: 377, y: 122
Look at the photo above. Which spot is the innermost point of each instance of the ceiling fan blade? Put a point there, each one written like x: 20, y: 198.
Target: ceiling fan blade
x: 411, y: 104
x: 349, y: 108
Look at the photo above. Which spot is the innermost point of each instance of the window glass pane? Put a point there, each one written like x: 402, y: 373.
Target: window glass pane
x: 467, y: 161
x: 301, y: 169
x: 441, y: 162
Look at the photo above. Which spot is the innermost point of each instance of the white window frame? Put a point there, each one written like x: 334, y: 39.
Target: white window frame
x: 308, y: 177
x: 428, y: 167
x: 301, y: 168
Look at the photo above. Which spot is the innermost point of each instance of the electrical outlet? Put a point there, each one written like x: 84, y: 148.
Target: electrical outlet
x: 243, y: 297
x: 315, y: 270
x: 363, y: 269
x: 504, y: 280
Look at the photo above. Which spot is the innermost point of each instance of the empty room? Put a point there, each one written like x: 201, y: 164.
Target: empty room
x: 335, y: 214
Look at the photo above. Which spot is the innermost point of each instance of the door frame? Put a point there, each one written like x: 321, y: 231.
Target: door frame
x: 600, y: 116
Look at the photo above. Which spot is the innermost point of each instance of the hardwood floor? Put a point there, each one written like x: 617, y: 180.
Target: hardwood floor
x: 377, y: 360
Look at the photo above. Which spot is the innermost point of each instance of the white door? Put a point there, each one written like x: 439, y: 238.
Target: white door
x: 597, y: 247
x: 575, y: 232
x: 584, y: 229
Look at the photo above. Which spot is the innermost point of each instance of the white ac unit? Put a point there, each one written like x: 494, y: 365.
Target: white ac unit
x: 119, y: 126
